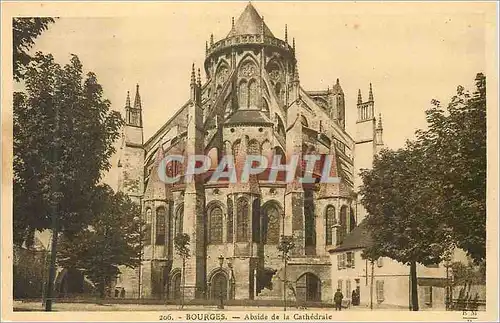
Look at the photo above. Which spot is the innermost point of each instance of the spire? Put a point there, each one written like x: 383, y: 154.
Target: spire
x: 250, y: 23
x: 360, y: 100
x: 370, y: 95
x: 379, y: 125
x: 286, y: 34
x: 127, y: 102
x: 199, y: 78
x: 137, y: 101
x: 211, y: 39
x: 293, y: 45
x: 338, y: 81
x: 232, y: 23
x: 296, y: 72
x: 193, y: 76
x: 206, y: 47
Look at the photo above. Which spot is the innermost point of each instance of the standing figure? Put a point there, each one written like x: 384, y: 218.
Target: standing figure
x: 337, y: 298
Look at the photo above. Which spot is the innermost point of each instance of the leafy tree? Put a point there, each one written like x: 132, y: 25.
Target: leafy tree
x: 402, y: 222
x: 24, y: 33
x: 181, y: 245
x: 111, y: 240
x: 454, y: 150
x: 63, y: 138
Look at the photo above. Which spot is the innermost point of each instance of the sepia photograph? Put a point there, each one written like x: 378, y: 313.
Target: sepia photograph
x: 250, y: 161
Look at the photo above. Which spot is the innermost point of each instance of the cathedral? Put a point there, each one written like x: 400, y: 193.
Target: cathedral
x: 252, y: 103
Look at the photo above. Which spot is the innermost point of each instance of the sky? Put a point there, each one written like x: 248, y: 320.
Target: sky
x: 410, y: 52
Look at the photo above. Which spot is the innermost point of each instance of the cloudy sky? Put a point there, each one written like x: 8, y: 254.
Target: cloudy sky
x: 411, y: 52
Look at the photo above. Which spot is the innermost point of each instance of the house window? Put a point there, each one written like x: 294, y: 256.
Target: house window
x: 339, y: 284
x: 347, y: 289
x: 216, y: 225
x: 341, y: 261
x: 380, y: 291
x: 350, y: 259
x: 428, y: 295
x: 160, y: 226
x: 380, y: 262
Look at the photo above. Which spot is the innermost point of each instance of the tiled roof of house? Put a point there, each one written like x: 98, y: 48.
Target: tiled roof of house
x: 358, y: 238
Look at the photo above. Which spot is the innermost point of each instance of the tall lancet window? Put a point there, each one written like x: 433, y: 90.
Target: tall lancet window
x: 215, y: 233
x: 229, y: 234
x: 179, y: 215
x: 242, y: 209
x: 160, y: 225
x: 243, y: 95
x: 329, y: 222
x: 253, y: 95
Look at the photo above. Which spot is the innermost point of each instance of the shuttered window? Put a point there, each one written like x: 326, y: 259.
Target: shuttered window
x: 380, y: 291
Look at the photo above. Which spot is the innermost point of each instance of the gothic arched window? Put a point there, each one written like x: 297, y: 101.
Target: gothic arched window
x: 215, y: 235
x: 253, y: 147
x: 310, y: 223
x: 160, y: 226
x: 229, y: 233
x: 253, y: 95
x: 242, y: 210
x: 329, y: 222
x: 271, y: 230
x: 179, y: 216
x: 149, y: 219
x: 352, y: 222
x: 243, y: 95
x: 342, y: 231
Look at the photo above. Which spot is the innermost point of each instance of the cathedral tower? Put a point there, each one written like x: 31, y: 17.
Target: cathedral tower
x: 131, y: 160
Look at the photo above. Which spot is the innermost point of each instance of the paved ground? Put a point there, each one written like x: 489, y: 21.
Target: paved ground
x: 63, y: 307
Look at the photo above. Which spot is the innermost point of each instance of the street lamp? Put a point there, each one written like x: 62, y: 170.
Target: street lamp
x: 137, y: 220
x: 221, y: 262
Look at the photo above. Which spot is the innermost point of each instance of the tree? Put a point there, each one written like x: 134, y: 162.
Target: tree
x: 112, y: 239
x: 64, y: 134
x: 285, y: 247
x: 454, y: 149
x: 24, y: 33
x: 181, y: 245
x: 402, y: 221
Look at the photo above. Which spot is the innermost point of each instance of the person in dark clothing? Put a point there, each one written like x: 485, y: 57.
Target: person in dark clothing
x: 337, y: 298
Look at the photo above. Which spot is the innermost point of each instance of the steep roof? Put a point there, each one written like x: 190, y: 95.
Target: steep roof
x: 249, y: 22
x: 247, y: 116
x: 358, y: 238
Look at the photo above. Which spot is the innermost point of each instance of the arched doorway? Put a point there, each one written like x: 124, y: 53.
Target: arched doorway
x: 218, y: 286
x: 309, y: 288
x: 175, y: 286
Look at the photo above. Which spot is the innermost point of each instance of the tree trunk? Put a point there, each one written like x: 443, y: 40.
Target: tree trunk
x: 371, y: 285
x: 183, y: 281
x: 52, y: 268
x: 102, y: 289
x: 414, y: 286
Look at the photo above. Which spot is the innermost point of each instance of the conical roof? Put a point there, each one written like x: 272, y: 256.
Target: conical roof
x: 250, y: 22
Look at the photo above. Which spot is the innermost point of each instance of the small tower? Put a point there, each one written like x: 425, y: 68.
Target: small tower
x: 337, y: 104
x: 366, y: 144
x: 131, y: 160
x: 379, y: 142
x: 194, y: 197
